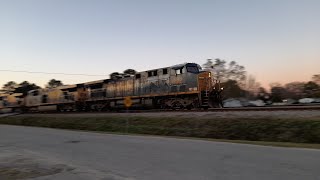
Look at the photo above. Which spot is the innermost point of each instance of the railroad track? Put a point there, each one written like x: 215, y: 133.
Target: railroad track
x: 264, y: 108
x: 269, y: 108
x: 8, y: 114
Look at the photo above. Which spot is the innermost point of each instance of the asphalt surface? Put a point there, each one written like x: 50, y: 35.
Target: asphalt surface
x: 41, y: 153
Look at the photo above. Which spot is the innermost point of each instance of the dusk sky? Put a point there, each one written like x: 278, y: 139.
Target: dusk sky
x: 276, y: 40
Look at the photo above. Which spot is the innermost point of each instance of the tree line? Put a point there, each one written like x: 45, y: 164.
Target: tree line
x: 25, y: 86
x: 238, y: 84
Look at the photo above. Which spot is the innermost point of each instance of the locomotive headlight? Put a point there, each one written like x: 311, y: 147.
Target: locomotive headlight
x: 209, y: 74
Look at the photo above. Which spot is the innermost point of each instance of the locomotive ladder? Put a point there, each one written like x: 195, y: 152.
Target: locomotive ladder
x: 205, y: 95
x: 205, y: 99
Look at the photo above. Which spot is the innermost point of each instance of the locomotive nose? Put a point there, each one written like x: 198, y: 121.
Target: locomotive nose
x: 215, y: 95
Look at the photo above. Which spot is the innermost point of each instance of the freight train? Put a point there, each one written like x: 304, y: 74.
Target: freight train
x: 183, y: 86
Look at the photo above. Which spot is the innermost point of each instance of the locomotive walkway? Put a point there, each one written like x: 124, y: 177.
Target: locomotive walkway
x: 41, y: 153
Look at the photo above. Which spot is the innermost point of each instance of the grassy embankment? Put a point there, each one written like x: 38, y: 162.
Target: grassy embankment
x: 268, y: 131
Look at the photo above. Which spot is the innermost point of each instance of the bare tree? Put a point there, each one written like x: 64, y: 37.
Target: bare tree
x: 316, y: 78
x: 278, y: 92
x: 224, y: 71
x: 312, y: 89
x: 251, y: 86
x: 295, y: 90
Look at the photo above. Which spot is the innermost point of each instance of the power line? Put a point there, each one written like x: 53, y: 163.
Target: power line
x: 39, y: 72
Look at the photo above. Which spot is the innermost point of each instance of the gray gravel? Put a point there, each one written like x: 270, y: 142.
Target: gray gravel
x: 41, y: 153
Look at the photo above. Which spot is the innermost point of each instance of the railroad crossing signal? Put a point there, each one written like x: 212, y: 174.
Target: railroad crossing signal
x: 127, y: 102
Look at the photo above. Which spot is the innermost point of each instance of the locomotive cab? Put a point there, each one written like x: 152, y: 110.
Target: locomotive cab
x: 193, y: 68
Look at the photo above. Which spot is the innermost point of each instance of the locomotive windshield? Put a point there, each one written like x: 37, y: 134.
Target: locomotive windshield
x: 192, y: 69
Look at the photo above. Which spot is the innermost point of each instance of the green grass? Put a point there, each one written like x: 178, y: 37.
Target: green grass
x: 276, y: 132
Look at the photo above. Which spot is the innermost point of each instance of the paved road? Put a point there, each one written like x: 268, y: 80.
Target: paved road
x: 41, y: 153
